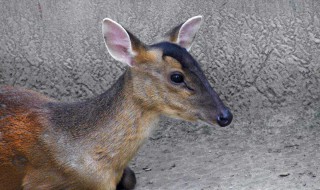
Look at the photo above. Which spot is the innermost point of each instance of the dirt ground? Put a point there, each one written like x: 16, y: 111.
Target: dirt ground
x: 279, y: 149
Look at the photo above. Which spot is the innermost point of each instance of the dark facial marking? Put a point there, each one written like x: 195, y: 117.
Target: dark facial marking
x: 178, y: 53
x: 184, y: 58
x: 188, y: 63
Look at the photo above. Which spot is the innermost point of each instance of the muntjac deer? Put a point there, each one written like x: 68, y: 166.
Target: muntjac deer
x: 46, y: 144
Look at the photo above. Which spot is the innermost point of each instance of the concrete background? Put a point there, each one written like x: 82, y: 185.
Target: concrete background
x: 262, y: 57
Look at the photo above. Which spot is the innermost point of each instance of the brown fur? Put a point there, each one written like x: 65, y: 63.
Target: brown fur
x: 46, y: 144
x: 27, y: 159
x: 19, y: 132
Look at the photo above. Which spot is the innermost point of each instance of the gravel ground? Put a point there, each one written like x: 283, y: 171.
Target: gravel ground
x: 279, y: 150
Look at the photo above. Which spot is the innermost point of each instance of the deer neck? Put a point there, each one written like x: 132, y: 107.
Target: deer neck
x: 124, y: 125
x: 109, y: 128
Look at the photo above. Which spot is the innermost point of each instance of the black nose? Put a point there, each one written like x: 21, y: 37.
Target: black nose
x: 224, y: 118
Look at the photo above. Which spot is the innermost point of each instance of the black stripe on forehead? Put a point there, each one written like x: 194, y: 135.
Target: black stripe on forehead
x: 178, y: 53
x: 185, y: 59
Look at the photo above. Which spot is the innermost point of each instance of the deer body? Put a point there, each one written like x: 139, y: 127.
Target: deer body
x: 46, y: 144
x: 101, y: 135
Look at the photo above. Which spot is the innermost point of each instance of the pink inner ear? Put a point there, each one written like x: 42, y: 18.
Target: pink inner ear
x: 188, y: 32
x: 116, y: 34
x: 118, y: 42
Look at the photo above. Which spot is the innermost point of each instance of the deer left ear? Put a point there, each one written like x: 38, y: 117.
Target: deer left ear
x: 185, y: 33
x: 121, y: 44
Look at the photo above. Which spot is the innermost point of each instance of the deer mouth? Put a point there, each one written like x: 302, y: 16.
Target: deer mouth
x: 223, y: 119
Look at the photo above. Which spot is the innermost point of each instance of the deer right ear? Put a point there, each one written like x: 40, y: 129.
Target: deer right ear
x: 118, y: 42
x: 185, y: 33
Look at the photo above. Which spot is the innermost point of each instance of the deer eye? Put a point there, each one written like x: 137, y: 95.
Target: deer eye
x: 176, y: 77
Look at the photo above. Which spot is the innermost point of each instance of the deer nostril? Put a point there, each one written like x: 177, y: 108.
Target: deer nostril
x: 224, y: 118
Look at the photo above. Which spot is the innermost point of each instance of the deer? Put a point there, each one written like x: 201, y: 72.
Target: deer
x: 49, y: 144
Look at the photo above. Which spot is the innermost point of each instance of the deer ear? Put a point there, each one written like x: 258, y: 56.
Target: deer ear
x: 118, y: 42
x: 185, y: 33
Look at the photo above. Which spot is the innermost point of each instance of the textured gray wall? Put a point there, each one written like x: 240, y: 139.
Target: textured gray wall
x: 262, y: 56
x: 258, y: 54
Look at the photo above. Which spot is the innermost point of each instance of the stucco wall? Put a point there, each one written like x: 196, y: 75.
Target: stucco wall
x: 262, y: 57
x: 257, y: 54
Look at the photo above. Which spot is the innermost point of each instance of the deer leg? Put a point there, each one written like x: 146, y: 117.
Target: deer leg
x: 128, y: 180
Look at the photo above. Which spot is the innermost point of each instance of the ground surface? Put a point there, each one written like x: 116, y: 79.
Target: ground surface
x: 278, y: 150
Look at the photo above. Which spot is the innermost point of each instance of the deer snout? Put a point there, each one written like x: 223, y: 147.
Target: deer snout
x: 224, y: 118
